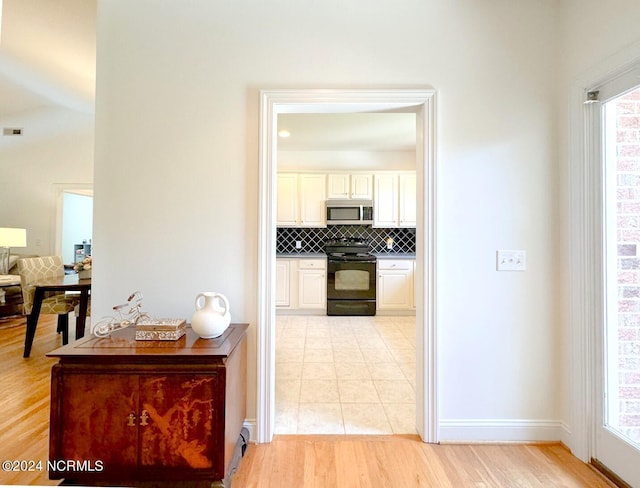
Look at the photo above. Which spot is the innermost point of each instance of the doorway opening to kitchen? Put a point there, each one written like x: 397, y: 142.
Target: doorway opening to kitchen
x: 345, y: 358
x: 349, y: 337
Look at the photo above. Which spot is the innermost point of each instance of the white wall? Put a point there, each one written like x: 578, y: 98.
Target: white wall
x: 177, y: 155
x: 56, y: 148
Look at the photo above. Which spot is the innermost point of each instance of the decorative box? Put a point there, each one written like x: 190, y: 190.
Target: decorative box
x: 160, y: 329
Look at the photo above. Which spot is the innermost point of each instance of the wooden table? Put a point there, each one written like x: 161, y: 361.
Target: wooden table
x: 62, y: 284
x: 134, y: 412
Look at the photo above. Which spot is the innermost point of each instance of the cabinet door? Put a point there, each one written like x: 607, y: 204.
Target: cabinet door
x: 95, y: 419
x: 407, y: 189
x: 282, y: 283
x: 312, y: 201
x: 338, y: 186
x: 181, y: 421
x: 312, y: 289
x: 395, y: 284
x: 385, y: 212
x: 287, y: 192
x: 362, y: 186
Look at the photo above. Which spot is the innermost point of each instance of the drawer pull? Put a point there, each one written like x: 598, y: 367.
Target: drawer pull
x: 144, y: 416
x: 132, y: 420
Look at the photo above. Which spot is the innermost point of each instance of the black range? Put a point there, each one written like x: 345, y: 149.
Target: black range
x: 351, y: 277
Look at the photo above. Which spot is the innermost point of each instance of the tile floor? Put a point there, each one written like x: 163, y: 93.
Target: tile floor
x: 345, y: 375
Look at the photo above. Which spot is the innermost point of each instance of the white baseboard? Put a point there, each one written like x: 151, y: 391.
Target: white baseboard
x: 473, y: 430
x: 250, y: 425
x: 497, y: 430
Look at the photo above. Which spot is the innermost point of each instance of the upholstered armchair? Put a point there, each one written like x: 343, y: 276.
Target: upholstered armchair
x: 32, y: 270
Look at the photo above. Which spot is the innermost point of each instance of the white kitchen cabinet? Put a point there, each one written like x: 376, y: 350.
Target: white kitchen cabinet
x: 287, y: 211
x: 407, y: 196
x: 354, y: 186
x: 312, y: 198
x: 385, y: 201
x: 301, y: 283
x: 312, y: 283
x: 338, y: 186
x: 394, y: 203
x: 301, y: 200
x: 362, y: 186
x: 283, y: 282
x: 395, y: 284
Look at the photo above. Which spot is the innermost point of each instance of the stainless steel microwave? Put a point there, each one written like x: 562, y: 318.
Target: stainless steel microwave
x: 349, y: 212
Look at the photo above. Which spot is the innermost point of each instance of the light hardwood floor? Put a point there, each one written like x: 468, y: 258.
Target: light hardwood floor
x: 405, y: 461
x: 289, y: 461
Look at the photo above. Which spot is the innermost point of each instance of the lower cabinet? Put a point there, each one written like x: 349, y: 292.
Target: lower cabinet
x: 128, y: 414
x: 301, y: 283
x: 283, y: 282
x: 395, y: 284
x: 140, y: 421
x: 312, y: 283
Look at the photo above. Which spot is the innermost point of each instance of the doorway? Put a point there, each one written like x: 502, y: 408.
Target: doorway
x: 617, y: 401
x: 74, y: 221
x: 420, y: 102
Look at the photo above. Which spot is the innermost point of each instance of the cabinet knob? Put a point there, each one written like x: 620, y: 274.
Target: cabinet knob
x: 144, y: 416
x: 131, y: 422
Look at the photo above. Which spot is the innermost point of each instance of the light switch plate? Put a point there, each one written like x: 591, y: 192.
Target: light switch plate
x: 511, y: 260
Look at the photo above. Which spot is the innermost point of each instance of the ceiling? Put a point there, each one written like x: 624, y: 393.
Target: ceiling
x: 47, y: 56
x: 47, y: 61
x: 348, y: 131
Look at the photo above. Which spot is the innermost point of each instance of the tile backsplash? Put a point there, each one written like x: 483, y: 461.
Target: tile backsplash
x: 312, y: 239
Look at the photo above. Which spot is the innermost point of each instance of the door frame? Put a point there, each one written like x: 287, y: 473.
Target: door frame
x: 422, y: 102
x: 59, y: 189
x: 586, y: 276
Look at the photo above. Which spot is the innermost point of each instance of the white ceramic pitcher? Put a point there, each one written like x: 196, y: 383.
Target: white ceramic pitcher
x: 210, y: 319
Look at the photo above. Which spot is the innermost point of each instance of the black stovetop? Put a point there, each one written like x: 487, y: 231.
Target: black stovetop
x: 359, y: 257
x: 355, y: 247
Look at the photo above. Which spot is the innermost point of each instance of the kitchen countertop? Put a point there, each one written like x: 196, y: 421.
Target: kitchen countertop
x: 398, y: 255
x: 302, y: 255
x: 320, y: 255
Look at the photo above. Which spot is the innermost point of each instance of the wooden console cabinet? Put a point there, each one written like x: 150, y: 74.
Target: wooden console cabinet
x: 131, y: 412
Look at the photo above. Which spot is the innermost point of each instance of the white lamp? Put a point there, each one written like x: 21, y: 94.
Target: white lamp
x: 12, y: 237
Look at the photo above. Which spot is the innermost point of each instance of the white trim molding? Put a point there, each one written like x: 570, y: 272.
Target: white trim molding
x: 586, y: 251
x: 422, y: 102
x: 502, y: 430
x: 250, y: 425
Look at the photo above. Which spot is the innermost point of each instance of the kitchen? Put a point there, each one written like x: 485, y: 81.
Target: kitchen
x: 345, y: 266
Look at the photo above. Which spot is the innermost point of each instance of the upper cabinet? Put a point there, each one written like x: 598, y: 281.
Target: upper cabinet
x: 385, y: 201
x: 287, y: 199
x: 338, y: 186
x: 354, y: 185
x: 302, y: 197
x: 301, y: 200
x: 312, y: 198
x: 394, y: 199
x: 407, y: 194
